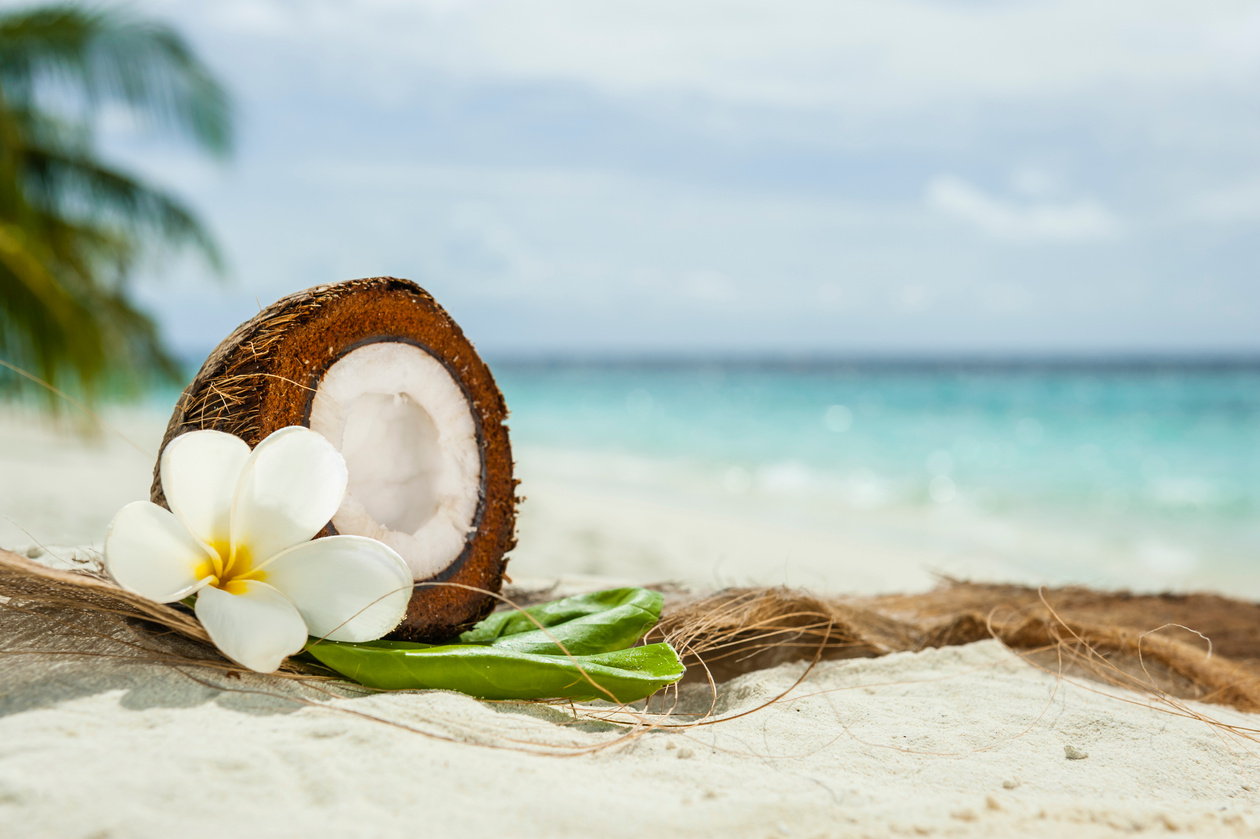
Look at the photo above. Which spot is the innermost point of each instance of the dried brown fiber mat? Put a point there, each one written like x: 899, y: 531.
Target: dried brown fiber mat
x: 1196, y: 646
x: 1193, y: 646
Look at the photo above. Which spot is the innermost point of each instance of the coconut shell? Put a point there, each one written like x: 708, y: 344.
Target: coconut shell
x: 264, y: 375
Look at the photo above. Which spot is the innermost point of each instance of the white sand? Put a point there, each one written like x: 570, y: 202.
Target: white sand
x: 963, y: 741
x: 565, y: 529
x: 60, y: 485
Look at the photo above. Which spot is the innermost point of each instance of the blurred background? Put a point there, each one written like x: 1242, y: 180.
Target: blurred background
x: 839, y: 294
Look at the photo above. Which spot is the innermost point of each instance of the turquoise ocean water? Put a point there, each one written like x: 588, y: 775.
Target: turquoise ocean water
x: 1151, y: 467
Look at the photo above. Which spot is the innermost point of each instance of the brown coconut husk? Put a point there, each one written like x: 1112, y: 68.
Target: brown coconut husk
x: 1196, y: 646
x: 1169, y: 647
x: 264, y: 375
x: 84, y: 603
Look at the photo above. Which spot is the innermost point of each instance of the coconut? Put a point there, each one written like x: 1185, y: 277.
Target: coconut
x: 382, y: 371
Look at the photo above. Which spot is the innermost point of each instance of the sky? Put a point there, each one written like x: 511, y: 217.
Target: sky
x: 642, y: 178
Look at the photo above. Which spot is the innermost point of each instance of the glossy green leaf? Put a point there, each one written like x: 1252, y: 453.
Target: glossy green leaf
x: 600, y: 622
x: 491, y: 672
x: 507, y: 655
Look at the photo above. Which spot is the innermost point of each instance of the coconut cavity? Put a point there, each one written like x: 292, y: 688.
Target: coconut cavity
x: 385, y: 374
x: 391, y: 448
x: 406, y: 431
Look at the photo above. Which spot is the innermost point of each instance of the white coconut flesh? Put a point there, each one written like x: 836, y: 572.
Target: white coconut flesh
x: 407, y: 433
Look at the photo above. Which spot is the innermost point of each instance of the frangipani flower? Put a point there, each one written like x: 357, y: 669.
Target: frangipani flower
x: 238, y: 536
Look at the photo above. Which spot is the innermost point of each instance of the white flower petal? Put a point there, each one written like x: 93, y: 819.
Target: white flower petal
x: 257, y: 628
x: 200, y: 471
x: 348, y: 588
x: 148, y: 551
x: 290, y: 488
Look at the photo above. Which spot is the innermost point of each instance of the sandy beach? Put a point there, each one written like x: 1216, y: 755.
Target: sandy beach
x: 966, y: 741
x: 865, y: 394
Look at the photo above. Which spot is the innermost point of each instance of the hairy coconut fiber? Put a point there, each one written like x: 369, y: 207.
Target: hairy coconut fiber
x: 1196, y: 646
x: 264, y: 376
x: 1169, y: 647
x: 60, y: 611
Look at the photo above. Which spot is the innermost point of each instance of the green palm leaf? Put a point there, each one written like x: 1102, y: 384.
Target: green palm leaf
x: 99, y: 55
x: 70, y: 181
x: 73, y: 228
x: 584, y: 647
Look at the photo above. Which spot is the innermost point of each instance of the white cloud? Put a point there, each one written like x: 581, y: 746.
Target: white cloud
x: 1237, y: 203
x: 1034, y: 182
x: 870, y: 55
x: 555, y: 171
x: 1076, y: 221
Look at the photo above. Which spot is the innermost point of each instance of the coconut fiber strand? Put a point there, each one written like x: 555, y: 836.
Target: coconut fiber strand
x: 49, y: 610
x: 1197, y: 646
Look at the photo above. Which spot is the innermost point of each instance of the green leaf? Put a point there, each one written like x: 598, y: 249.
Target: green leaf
x: 507, y: 656
x: 73, y: 229
x: 600, y: 622
x: 490, y: 672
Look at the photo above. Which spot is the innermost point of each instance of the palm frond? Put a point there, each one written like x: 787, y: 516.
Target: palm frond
x: 75, y: 185
x: 43, y: 326
x: 102, y: 55
x: 73, y: 228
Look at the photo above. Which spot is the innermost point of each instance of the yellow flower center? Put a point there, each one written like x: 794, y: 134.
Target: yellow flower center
x: 231, y: 574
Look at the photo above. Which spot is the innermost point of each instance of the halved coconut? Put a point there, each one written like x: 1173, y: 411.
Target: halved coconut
x: 381, y: 371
